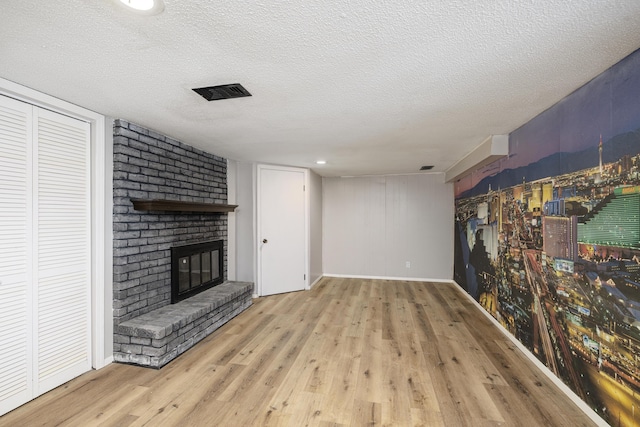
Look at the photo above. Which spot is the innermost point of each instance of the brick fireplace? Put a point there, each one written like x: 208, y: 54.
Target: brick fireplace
x: 150, y: 166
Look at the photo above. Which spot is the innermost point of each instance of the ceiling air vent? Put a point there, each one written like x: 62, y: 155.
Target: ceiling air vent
x: 426, y: 168
x: 214, y: 93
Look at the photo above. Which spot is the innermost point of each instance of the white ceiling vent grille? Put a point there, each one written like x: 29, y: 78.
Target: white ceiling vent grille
x: 214, y: 93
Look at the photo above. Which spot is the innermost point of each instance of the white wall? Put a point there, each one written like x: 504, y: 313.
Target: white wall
x: 232, y: 176
x: 245, y: 222
x: 373, y: 226
x: 315, y: 225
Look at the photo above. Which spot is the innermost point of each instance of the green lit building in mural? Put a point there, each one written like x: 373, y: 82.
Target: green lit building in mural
x: 615, y: 221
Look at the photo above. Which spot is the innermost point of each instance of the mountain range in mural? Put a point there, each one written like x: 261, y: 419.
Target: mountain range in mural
x: 560, y: 163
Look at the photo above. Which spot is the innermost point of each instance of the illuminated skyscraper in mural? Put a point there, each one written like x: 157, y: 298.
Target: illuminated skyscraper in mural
x: 560, y: 237
x: 547, y: 192
x: 535, y: 202
x: 600, y: 152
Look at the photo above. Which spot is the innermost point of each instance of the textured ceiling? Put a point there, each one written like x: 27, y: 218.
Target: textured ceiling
x: 371, y: 87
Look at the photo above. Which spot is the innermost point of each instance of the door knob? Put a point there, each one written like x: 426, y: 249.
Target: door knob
x: 264, y: 240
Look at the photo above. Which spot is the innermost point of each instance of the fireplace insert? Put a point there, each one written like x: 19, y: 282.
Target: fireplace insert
x: 195, y: 268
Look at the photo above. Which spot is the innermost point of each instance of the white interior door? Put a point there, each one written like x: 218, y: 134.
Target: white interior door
x: 45, y: 251
x: 282, y: 229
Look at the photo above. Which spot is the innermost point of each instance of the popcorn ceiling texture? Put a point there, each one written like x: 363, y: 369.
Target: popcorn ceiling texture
x: 372, y: 87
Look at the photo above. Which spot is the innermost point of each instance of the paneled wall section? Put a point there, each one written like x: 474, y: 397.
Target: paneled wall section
x: 388, y: 226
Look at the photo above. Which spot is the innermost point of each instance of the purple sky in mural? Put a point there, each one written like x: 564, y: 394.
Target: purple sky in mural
x: 606, y: 105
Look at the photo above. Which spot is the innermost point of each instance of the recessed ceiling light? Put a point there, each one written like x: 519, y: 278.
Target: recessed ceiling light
x: 321, y: 162
x: 145, y: 7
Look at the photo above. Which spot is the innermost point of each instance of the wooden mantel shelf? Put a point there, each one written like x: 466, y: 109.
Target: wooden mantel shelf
x: 178, y: 206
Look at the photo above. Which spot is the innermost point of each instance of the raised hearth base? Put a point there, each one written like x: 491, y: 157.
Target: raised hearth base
x: 156, y: 338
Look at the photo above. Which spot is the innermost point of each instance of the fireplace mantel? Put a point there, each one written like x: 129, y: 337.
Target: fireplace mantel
x: 178, y: 206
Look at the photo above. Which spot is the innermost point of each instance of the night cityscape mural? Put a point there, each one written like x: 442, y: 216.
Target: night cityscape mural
x: 548, y: 240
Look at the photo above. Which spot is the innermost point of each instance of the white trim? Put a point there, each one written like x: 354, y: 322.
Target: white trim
x: 406, y: 279
x: 97, y: 251
x: 557, y: 381
x: 307, y: 229
x: 101, y: 234
x: 316, y: 281
x: 33, y: 97
x: 254, y: 225
x: 258, y: 275
x: 257, y: 229
x: 102, y: 205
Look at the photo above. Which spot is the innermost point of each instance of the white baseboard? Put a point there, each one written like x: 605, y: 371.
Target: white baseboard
x: 315, y: 281
x: 557, y: 381
x: 105, y: 362
x: 409, y: 279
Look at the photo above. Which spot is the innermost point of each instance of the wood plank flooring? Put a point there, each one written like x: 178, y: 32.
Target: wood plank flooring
x: 350, y: 352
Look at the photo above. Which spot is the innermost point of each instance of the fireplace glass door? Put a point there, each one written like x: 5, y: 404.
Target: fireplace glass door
x: 195, y: 268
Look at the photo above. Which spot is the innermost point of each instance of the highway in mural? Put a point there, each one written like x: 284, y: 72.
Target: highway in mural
x: 548, y: 240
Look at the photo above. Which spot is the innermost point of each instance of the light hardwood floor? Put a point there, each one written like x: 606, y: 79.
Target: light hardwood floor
x: 349, y: 352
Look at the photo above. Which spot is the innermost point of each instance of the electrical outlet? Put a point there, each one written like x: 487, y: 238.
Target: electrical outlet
x: 408, y: 264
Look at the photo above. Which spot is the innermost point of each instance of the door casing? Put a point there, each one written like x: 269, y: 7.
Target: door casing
x: 259, y: 212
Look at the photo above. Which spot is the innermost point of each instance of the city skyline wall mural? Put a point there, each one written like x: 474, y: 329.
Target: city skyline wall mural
x: 547, y: 240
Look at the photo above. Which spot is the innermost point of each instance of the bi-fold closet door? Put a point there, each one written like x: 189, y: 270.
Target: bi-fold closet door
x: 45, y: 251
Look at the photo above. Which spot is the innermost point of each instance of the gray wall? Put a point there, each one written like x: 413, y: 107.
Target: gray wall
x: 374, y: 225
x: 245, y: 222
x: 315, y: 226
x: 147, y: 165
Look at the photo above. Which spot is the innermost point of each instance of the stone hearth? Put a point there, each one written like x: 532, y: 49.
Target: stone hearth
x: 156, y: 338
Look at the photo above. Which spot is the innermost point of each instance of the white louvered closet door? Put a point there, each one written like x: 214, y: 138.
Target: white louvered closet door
x: 62, y: 231
x: 45, y: 253
x: 16, y: 380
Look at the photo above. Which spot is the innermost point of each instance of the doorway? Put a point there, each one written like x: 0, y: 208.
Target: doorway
x: 283, y: 229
